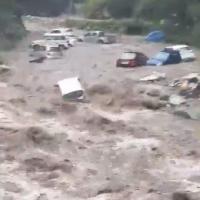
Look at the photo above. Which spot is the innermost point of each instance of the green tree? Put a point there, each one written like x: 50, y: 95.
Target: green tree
x: 95, y: 8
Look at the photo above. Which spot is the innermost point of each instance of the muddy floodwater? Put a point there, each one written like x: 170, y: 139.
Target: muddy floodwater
x: 125, y: 142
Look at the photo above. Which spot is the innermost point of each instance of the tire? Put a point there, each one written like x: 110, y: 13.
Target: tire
x: 100, y: 42
x: 62, y: 47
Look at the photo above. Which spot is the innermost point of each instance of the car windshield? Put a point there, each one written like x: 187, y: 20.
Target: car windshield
x: 56, y: 31
x: 54, y: 49
x: 55, y: 37
x: 128, y: 55
x: 162, y: 56
x: 38, y: 48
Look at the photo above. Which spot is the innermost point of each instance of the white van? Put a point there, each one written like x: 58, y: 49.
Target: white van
x: 59, y: 39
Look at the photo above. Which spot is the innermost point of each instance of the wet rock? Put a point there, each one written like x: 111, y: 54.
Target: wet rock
x: 182, y: 113
x: 192, y: 112
x: 164, y: 97
x: 105, y: 191
x: 180, y: 196
x: 155, y: 76
x: 154, y: 92
x: 176, y: 100
x: 153, y: 104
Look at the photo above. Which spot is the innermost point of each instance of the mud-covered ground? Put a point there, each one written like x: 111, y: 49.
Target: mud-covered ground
x: 116, y: 146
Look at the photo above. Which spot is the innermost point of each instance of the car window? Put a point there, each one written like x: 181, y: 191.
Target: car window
x: 56, y: 31
x: 54, y: 49
x: 162, y: 56
x: 101, y: 34
x: 127, y: 56
x: 94, y: 34
x: 38, y: 48
x: 55, y: 37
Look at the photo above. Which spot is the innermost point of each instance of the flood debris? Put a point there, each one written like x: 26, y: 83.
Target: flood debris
x: 189, y: 85
x: 176, y: 100
x: 71, y: 89
x: 155, y: 76
x: 192, y: 112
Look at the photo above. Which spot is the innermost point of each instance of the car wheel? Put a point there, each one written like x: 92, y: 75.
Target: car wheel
x: 100, y: 42
x: 62, y: 47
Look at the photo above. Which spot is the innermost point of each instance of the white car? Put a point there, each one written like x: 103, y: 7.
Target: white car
x: 40, y: 48
x: 186, y: 53
x: 59, y: 39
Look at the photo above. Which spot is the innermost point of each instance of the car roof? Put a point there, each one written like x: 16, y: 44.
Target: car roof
x: 54, y: 34
x: 61, y: 29
x: 44, y: 43
x: 52, y: 45
x: 39, y: 42
x: 177, y: 47
x: 135, y: 52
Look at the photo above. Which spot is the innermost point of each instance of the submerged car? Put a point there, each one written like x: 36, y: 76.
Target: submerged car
x: 131, y: 59
x: 155, y: 36
x: 59, y: 39
x: 53, y: 52
x: 165, y: 58
x: 41, y: 49
x: 185, y: 51
x: 107, y: 39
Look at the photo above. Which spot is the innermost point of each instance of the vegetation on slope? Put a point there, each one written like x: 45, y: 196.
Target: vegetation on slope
x: 180, y: 19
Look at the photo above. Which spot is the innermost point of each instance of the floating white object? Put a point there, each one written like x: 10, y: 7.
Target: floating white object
x: 71, y: 89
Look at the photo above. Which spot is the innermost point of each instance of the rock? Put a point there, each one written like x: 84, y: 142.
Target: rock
x: 153, y: 104
x: 176, y: 100
x: 164, y: 97
x: 194, y: 113
x: 182, y: 113
x: 154, y: 92
x: 156, y: 76
x: 189, y: 113
x: 180, y: 196
x: 191, y: 76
